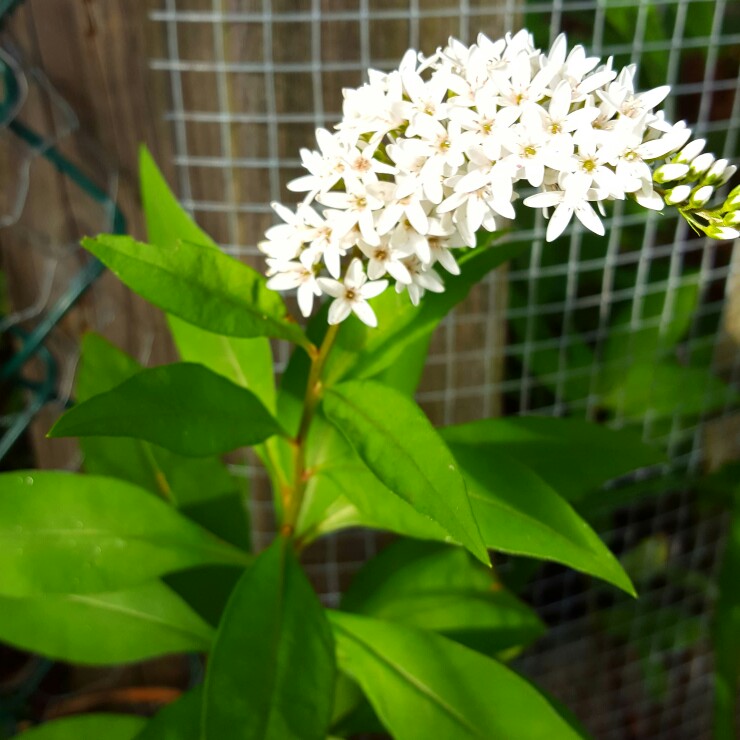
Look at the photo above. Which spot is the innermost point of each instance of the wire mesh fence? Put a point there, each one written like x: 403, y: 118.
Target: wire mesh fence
x: 250, y: 81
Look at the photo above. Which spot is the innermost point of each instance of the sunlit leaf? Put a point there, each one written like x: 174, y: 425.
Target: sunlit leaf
x: 519, y: 513
x: 423, y: 685
x: 201, y: 487
x: 441, y: 588
x: 200, y: 285
x: 183, y: 407
x: 100, y: 629
x: 66, y: 533
x: 401, y: 447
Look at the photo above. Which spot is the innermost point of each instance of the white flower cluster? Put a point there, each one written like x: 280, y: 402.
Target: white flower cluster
x: 429, y: 154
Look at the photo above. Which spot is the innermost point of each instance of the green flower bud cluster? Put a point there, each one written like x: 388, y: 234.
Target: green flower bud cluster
x: 689, y: 181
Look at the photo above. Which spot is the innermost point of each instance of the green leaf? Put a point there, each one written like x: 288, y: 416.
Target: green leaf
x: 183, y: 407
x: 101, y: 629
x: 271, y: 671
x: 88, y: 727
x: 422, y: 685
x: 575, y: 457
x: 401, y: 324
x: 342, y: 492
x: 201, y: 486
x: 352, y: 714
x: 404, y: 374
x: 245, y: 362
x: 206, y: 588
x: 441, y: 588
x: 520, y: 514
x: 401, y: 447
x: 166, y: 220
x: 66, y: 533
x: 726, y: 637
x: 200, y: 285
x: 102, y: 366
x: 177, y: 721
x: 667, y: 388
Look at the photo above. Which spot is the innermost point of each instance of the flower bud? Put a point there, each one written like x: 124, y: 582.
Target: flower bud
x: 715, y: 172
x: 701, y: 164
x: 726, y: 175
x: 732, y: 202
x: 692, y: 150
x: 732, y: 219
x: 677, y: 195
x: 700, y: 196
x: 721, y: 232
x: 670, y: 172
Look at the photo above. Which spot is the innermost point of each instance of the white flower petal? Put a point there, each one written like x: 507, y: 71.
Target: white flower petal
x: 339, y: 310
x: 587, y: 216
x: 558, y: 221
x: 331, y: 287
x: 372, y: 289
x: 305, y: 299
x: 365, y: 313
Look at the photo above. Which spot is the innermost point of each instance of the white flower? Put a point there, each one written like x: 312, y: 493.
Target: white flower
x: 289, y: 275
x: 422, y: 280
x: 358, y: 205
x: 573, y: 199
x: 351, y: 295
x: 284, y: 241
x: 431, y: 153
x: 385, y: 259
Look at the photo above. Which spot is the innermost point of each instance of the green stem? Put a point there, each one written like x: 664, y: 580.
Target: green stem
x: 314, y: 389
x: 159, y: 477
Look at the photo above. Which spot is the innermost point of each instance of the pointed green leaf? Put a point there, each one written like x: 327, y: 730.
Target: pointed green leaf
x: 246, y: 362
x: 177, y: 721
x: 271, y: 671
x: 166, y: 220
x: 200, y: 285
x: 142, y: 622
x: 342, y: 492
x: 423, y: 685
x: 575, y: 457
x: 402, y: 448
x: 88, y: 727
x: 202, y: 486
x: 67, y: 533
x: 441, y: 588
x: 183, y: 407
x: 519, y: 513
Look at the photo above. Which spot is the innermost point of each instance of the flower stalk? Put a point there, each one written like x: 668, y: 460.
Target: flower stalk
x: 293, y: 498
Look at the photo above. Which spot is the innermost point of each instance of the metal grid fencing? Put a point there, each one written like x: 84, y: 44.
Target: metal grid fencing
x: 250, y: 80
